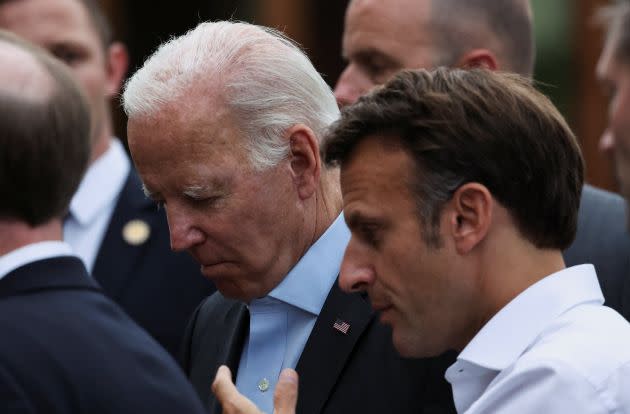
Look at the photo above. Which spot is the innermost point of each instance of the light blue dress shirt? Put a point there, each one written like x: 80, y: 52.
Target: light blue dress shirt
x: 281, y: 322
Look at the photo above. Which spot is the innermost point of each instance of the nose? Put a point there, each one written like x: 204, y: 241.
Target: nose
x: 183, y: 232
x: 356, y: 273
x: 351, y: 85
x: 607, y: 142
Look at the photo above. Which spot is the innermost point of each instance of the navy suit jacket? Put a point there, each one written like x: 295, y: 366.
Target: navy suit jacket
x: 602, y: 239
x: 67, y: 348
x: 355, y: 373
x: 158, y: 288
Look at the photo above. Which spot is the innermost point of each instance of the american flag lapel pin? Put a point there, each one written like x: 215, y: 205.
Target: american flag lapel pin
x: 341, y: 326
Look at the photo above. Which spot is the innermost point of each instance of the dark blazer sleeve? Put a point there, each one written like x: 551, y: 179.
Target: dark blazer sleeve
x: 215, y: 336
x: 13, y: 398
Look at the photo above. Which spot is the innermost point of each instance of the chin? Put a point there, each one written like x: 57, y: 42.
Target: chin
x: 415, y: 346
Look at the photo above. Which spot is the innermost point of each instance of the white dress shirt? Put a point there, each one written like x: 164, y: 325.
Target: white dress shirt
x: 32, y: 253
x: 553, y: 349
x: 93, y: 204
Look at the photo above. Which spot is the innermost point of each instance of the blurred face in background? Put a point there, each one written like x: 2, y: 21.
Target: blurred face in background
x: 66, y: 30
x: 615, y: 142
x: 380, y: 38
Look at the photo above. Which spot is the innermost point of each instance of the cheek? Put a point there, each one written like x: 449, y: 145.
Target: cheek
x: 620, y: 109
x: 92, y: 80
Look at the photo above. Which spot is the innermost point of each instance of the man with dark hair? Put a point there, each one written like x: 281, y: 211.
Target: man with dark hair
x: 66, y: 347
x: 118, y: 233
x: 382, y: 37
x: 454, y: 255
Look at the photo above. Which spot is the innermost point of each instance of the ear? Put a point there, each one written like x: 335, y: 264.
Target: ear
x: 117, y: 63
x: 471, y: 216
x: 305, y: 159
x: 478, y: 58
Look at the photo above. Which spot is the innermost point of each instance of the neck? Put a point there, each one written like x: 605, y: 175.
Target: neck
x: 503, y: 276
x: 18, y: 234
x: 100, y: 145
x: 328, y: 202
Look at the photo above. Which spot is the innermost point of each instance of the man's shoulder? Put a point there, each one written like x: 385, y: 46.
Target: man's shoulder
x: 78, y: 342
x: 603, y: 240
x: 602, y: 201
x: 591, y: 341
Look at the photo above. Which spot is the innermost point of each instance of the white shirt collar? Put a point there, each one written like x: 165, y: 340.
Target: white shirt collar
x: 531, y: 311
x: 32, y: 253
x: 307, y: 285
x: 101, y: 184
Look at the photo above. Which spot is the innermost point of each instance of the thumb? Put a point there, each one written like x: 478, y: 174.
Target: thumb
x: 285, y: 397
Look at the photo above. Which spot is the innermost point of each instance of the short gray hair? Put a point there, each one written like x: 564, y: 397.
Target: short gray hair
x: 503, y: 26
x: 267, y: 81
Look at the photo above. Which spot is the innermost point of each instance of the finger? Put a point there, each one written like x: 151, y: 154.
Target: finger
x: 285, y: 397
x: 229, y: 397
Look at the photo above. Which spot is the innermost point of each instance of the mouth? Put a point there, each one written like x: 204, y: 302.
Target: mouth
x: 384, y: 311
x: 214, y: 270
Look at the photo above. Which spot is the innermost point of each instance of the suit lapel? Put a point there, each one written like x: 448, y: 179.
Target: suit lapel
x: 229, y: 347
x: 116, y: 257
x: 328, y: 349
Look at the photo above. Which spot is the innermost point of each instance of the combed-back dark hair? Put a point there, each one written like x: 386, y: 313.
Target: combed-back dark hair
x: 44, y: 144
x: 503, y: 26
x: 474, y: 126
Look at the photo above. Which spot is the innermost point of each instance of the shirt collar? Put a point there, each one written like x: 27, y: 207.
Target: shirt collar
x: 307, y: 285
x: 32, y: 253
x: 498, y: 344
x: 101, y: 184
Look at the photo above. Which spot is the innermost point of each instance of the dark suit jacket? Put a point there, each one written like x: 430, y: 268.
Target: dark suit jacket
x: 66, y: 348
x: 355, y: 373
x: 158, y: 288
x: 602, y: 239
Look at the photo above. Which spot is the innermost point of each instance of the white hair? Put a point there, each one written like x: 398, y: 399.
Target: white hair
x: 266, y: 80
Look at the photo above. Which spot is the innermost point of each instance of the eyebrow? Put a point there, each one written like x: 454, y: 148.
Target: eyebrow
x: 356, y: 218
x: 197, y: 191
x: 369, y: 52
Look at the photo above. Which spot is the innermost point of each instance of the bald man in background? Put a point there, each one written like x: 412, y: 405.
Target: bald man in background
x: 66, y: 347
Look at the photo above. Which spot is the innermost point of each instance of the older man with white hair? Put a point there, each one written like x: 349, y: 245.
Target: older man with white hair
x: 224, y: 127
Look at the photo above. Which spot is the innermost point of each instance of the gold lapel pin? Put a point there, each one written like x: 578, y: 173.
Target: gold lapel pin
x: 136, y: 232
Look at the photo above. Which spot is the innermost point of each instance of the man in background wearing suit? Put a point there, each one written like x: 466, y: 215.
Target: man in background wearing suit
x: 224, y: 127
x: 613, y: 71
x: 66, y: 347
x: 119, y: 234
x: 384, y: 36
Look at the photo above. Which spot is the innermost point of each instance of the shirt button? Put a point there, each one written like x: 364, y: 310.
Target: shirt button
x: 263, y: 385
